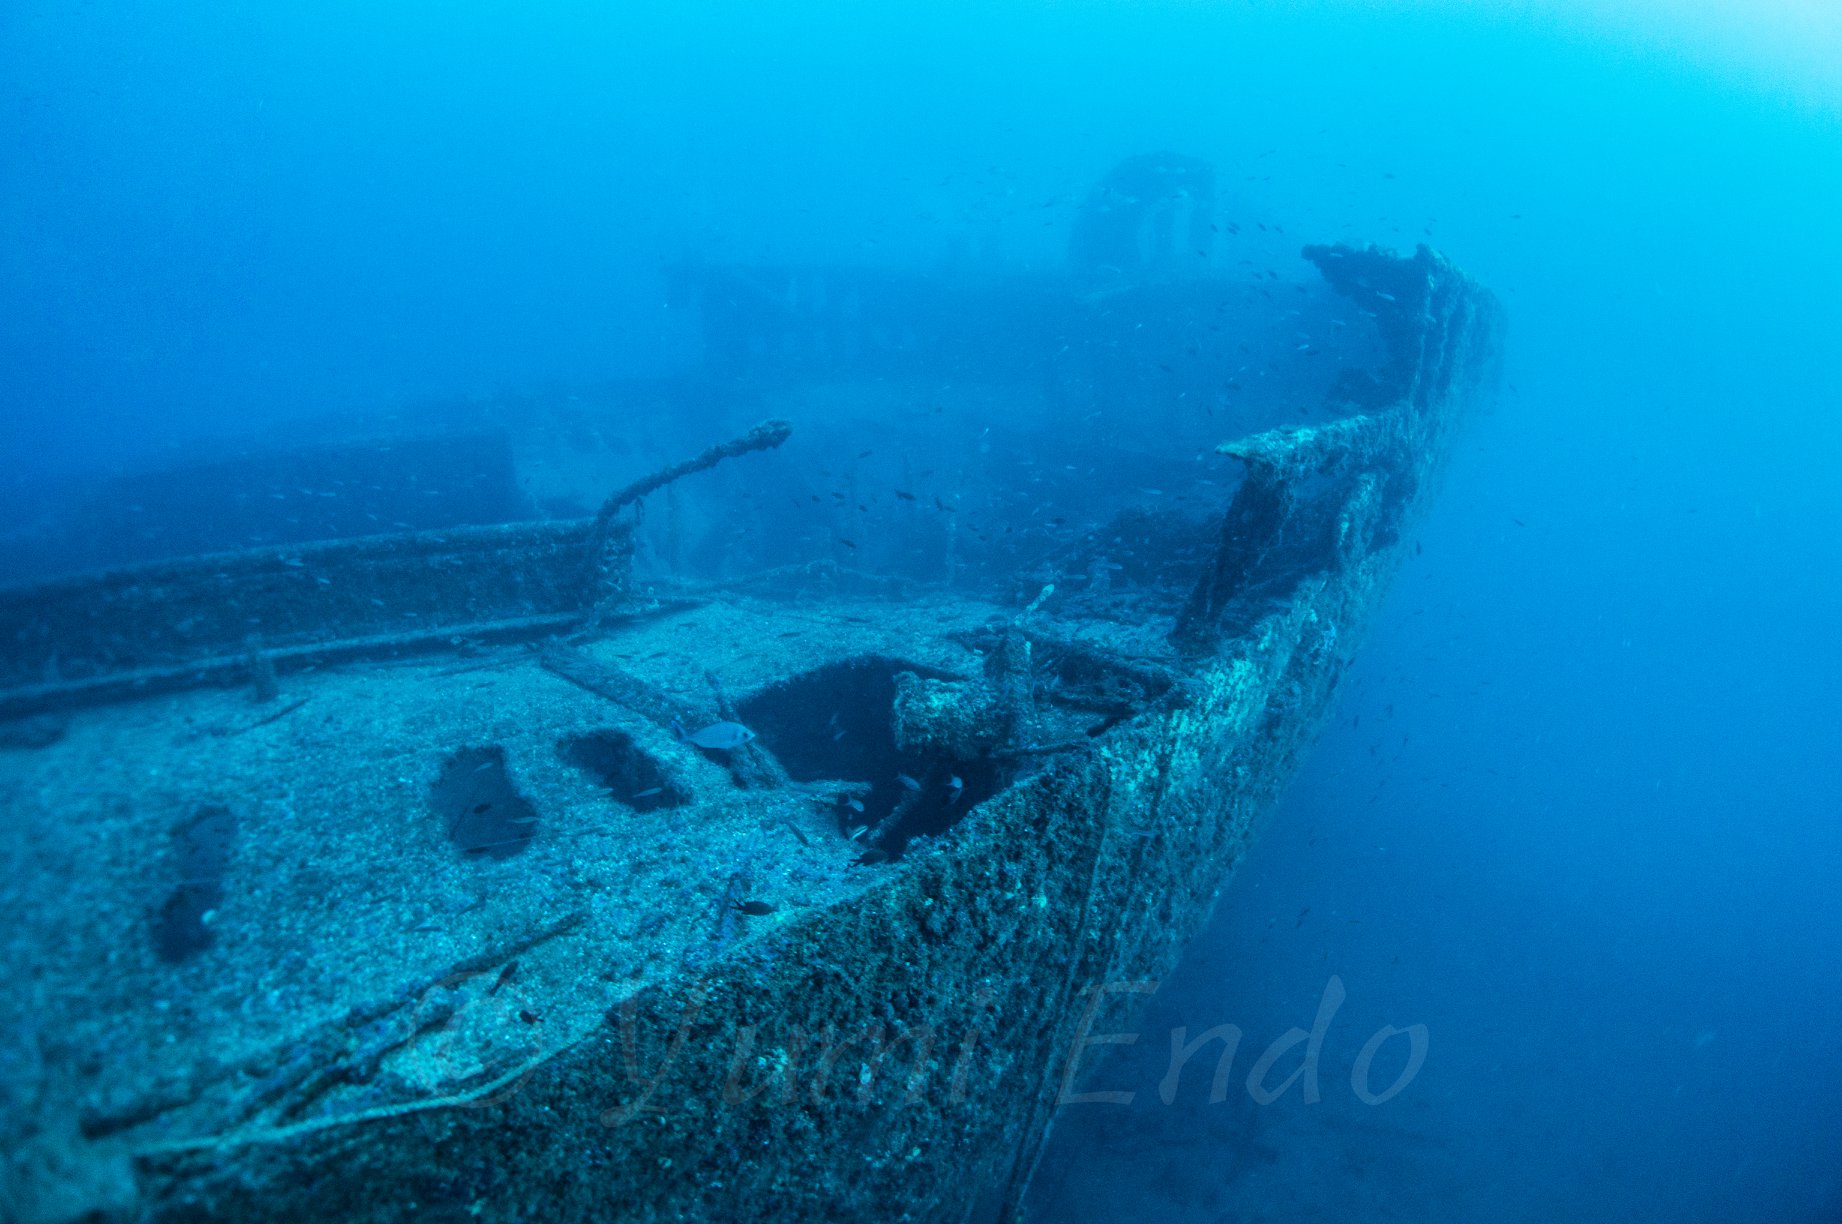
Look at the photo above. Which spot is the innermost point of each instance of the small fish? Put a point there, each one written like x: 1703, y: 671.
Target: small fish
x: 505, y: 975
x: 649, y: 792
x: 871, y: 857
x: 954, y: 788
x: 851, y: 544
x: 907, y: 782
x: 754, y: 909
x: 905, y: 495
x: 722, y: 736
x: 856, y: 805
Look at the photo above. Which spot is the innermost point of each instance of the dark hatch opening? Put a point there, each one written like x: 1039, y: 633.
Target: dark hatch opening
x: 630, y: 775
x: 478, y: 804
x: 835, y: 724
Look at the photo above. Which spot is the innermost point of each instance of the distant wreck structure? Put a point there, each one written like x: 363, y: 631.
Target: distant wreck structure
x: 758, y: 846
x: 1154, y: 214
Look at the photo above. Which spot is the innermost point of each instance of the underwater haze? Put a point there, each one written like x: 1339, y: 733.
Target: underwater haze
x: 1575, y: 811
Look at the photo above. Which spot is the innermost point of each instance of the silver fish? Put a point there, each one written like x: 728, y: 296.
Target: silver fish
x: 907, y: 782
x: 723, y: 736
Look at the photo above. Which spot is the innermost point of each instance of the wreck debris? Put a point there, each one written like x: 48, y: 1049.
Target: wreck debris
x: 965, y: 719
x: 750, y: 763
x: 765, y: 436
x: 620, y: 687
x: 1015, y: 683
x: 1089, y: 674
x: 885, y: 828
x: 266, y: 719
x: 263, y: 685
x: 948, y: 718
x: 608, y: 549
x: 259, y: 1094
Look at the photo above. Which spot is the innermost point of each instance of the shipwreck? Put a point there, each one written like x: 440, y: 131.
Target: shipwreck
x: 427, y: 872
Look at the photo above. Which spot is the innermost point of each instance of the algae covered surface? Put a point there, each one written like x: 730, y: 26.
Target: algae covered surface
x: 356, y: 945
x: 369, y: 992
x: 342, y: 884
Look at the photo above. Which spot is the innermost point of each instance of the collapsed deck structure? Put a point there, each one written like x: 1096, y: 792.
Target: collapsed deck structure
x: 490, y: 908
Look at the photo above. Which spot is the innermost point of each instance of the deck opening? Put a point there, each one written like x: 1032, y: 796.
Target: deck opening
x: 479, y: 805
x: 632, y: 777
x: 835, y: 723
x: 182, y: 926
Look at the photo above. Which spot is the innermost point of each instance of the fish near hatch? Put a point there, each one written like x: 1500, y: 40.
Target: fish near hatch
x: 723, y: 736
x: 630, y: 775
x: 480, y: 807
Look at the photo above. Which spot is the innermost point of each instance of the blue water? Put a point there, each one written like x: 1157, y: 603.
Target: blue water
x: 1577, y: 811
